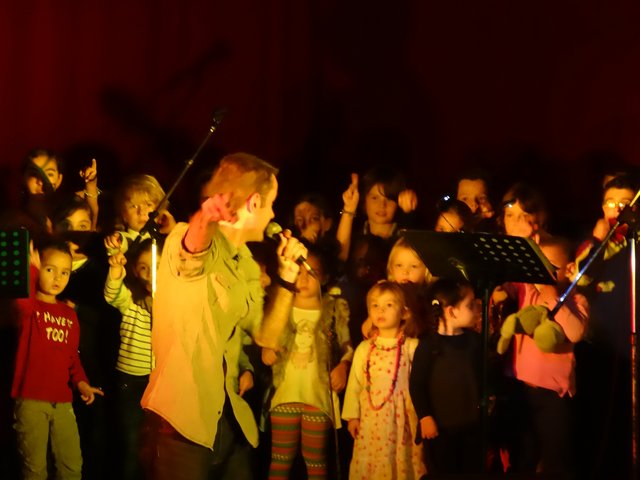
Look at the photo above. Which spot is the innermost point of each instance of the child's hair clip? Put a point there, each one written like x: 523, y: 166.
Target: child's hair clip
x: 435, y: 302
x: 335, y: 291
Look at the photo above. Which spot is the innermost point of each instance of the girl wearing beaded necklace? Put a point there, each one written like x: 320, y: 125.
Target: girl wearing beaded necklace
x: 377, y: 406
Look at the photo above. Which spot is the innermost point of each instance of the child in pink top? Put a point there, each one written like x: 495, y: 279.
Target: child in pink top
x: 541, y: 433
x: 546, y: 381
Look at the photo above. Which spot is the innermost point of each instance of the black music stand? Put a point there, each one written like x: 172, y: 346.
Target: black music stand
x: 486, y: 261
x: 14, y: 263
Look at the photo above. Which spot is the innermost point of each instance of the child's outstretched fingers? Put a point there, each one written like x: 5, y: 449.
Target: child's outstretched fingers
x: 90, y: 174
x: 88, y: 393
x: 351, y: 196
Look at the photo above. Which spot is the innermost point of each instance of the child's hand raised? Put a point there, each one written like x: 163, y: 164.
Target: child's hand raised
x: 428, y: 427
x: 88, y: 393
x: 34, y: 255
x: 90, y: 174
x: 117, y: 261
x: 113, y: 242
x: 407, y: 201
x: 351, y: 195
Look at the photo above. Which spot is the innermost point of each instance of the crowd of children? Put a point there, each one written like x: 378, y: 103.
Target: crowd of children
x: 376, y: 345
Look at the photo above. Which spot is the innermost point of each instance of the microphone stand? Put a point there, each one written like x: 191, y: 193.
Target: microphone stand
x: 151, y: 226
x: 629, y: 216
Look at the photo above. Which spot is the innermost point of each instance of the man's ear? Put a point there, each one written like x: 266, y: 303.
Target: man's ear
x: 253, y: 202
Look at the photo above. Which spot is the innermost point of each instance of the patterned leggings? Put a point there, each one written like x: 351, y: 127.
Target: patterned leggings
x: 290, y: 423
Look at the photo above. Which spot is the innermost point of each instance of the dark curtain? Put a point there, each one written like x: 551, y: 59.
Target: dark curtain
x: 546, y: 90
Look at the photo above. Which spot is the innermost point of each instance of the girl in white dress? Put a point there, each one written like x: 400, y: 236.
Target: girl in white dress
x: 377, y: 405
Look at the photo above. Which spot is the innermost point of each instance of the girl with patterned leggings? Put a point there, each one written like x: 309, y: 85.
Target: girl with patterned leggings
x: 309, y: 370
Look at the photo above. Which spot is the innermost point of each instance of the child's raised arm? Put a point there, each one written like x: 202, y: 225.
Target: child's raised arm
x: 350, y: 198
x: 117, y: 261
x: 91, y: 190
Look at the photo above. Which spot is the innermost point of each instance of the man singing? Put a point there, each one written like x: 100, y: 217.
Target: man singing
x: 208, y: 294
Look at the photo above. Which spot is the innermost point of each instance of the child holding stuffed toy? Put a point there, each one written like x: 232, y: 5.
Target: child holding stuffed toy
x: 542, y: 362
x: 445, y: 381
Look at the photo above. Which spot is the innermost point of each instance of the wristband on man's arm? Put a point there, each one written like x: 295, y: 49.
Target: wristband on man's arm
x: 291, y: 286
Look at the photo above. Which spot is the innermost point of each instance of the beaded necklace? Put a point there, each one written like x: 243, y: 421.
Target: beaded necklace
x: 367, y: 373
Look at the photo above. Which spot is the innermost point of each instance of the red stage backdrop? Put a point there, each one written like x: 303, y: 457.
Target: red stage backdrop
x: 542, y: 90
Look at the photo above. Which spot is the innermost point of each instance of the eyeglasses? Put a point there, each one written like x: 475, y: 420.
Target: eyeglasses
x: 610, y: 203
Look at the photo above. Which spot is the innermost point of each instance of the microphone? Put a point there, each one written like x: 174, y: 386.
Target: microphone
x: 273, y: 231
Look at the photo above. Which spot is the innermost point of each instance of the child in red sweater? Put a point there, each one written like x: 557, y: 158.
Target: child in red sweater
x: 47, y: 365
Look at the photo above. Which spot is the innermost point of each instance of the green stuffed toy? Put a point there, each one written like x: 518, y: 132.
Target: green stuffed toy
x: 533, y: 321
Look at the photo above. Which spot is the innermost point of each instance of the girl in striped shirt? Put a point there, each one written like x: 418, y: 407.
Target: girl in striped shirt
x: 135, y: 358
